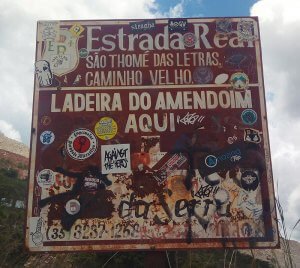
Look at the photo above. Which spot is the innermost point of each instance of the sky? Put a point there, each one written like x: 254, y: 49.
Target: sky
x: 280, y: 37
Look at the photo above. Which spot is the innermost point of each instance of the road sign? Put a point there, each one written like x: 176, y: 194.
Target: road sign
x: 149, y: 134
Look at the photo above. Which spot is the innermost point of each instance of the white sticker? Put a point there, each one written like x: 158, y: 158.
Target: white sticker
x: 45, y: 178
x: 47, y: 137
x: 115, y: 158
x: 48, y: 30
x: 73, y: 207
x: 36, y: 230
x: 81, y: 144
x: 221, y: 79
x: 62, y: 55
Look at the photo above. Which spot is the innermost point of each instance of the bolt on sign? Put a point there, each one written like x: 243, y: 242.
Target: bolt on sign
x: 149, y: 134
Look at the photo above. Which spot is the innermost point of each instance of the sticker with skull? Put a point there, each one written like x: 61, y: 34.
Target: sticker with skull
x: 43, y: 72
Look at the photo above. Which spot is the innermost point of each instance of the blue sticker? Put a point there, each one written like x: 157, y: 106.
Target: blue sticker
x: 249, y: 117
x: 211, y: 161
x: 47, y: 137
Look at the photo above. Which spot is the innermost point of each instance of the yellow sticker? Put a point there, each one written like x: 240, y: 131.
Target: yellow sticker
x: 76, y: 30
x: 106, y: 128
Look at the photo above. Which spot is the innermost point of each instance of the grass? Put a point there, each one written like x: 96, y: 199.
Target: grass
x: 285, y: 241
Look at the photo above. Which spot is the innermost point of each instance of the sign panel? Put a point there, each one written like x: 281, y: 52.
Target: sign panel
x: 149, y: 134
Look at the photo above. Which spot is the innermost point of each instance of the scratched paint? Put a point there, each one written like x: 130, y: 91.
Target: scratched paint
x: 152, y: 148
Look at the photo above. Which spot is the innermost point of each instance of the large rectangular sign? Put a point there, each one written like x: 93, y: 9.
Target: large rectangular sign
x: 149, y: 134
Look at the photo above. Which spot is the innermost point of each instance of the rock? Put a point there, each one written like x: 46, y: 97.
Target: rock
x: 13, y: 146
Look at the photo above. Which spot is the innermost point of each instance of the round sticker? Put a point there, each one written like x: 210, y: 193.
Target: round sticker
x: 202, y: 75
x: 81, y: 144
x: 239, y: 81
x: 73, y: 207
x: 47, y: 137
x: 211, y: 161
x: 46, y: 120
x: 45, y: 178
x: 249, y: 180
x: 83, y: 53
x: 106, y: 128
x: 249, y: 117
x: 189, y: 39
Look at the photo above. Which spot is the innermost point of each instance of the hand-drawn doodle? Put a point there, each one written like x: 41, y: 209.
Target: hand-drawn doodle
x: 37, y: 236
x: 44, y: 73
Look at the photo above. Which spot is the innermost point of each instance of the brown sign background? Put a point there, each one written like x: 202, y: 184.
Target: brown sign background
x: 149, y: 134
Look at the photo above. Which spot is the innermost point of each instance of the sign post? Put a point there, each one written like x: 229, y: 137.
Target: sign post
x: 149, y: 135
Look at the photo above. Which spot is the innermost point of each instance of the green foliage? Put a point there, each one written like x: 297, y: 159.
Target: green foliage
x: 11, y: 219
x: 21, y: 165
x: 118, y: 259
x: 5, y: 162
x: 10, y: 186
x: 180, y: 259
x: 11, y: 237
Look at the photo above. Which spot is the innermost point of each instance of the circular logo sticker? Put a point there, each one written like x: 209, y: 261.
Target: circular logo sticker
x: 249, y: 117
x: 83, y: 53
x: 46, y: 120
x: 106, y: 128
x: 81, y: 144
x: 45, y: 178
x: 239, y: 81
x: 211, y: 161
x: 47, y: 137
x: 189, y: 39
x: 202, y: 75
x: 73, y: 207
x: 249, y: 180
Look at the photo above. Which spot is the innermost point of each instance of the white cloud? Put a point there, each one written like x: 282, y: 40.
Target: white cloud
x: 280, y: 28
x: 9, y: 131
x: 17, y: 47
x: 176, y: 11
